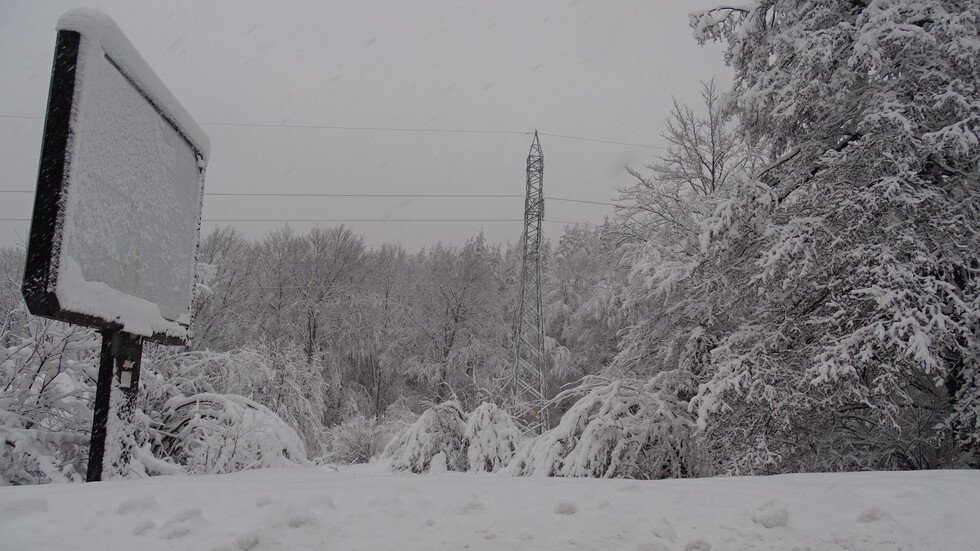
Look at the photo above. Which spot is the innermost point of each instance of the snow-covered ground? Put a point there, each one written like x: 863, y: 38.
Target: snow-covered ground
x: 365, y: 508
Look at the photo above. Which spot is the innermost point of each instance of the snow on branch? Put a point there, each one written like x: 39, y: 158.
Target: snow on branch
x: 618, y: 429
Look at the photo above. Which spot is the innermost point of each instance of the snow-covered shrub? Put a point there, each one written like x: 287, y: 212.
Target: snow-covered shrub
x: 439, y: 429
x: 492, y: 438
x: 221, y: 433
x: 355, y: 440
x: 361, y: 438
x: 618, y: 429
x: 47, y: 371
x: 37, y: 456
x: 280, y: 379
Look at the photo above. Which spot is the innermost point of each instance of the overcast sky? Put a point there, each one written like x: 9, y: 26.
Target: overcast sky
x: 257, y: 75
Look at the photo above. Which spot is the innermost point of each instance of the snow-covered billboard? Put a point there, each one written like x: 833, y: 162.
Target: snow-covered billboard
x: 118, y: 207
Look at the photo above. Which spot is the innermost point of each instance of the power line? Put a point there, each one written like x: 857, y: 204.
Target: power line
x: 402, y: 195
x: 355, y: 220
x: 377, y: 285
x: 346, y: 220
x: 379, y: 195
x: 338, y: 220
x: 400, y: 129
x: 596, y: 140
x: 365, y: 128
x: 380, y: 220
x: 579, y: 201
x: 277, y: 194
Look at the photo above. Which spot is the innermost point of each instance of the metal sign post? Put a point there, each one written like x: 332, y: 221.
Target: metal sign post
x: 119, y: 373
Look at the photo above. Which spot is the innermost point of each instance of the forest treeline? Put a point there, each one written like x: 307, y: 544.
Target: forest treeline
x: 791, y: 286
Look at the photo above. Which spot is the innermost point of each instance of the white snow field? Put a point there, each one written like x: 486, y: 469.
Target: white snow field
x: 367, y: 508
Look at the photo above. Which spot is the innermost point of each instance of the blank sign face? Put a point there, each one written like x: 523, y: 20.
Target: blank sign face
x: 118, y: 207
x: 133, y: 196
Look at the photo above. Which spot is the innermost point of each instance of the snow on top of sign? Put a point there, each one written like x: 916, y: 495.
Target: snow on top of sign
x: 94, y: 298
x: 98, y: 30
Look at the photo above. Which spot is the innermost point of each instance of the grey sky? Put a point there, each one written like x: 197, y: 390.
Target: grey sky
x: 603, y: 70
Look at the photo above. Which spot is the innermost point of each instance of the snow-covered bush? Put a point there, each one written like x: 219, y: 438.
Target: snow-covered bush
x: 47, y: 373
x: 280, y: 379
x: 361, y: 438
x: 355, y: 440
x: 221, y: 433
x: 492, y: 438
x: 439, y: 429
x: 618, y: 429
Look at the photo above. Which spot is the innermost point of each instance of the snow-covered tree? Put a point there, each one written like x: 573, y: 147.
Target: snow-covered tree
x: 704, y: 156
x: 581, y: 287
x: 661, y: 213
x: 491, y: 437
x: 329, y: 259
x: 220, y: 305
x: 616, y: 429
x: 842, y: 280
x: 370, y: 333
x: 462, y: 345
x: 13, y: 313
x: 274, y: 303
x: 439, y: 430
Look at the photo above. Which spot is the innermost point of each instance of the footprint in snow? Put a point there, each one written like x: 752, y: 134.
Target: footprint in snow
x: 246, y: 540
x: 182, y: 523
x: 392, y: 505
x: 242, y: 542
x: 771, y: 515
x: 300, y: 520
x: 664, y: 529
x: 565, y: 508
x: 296, y: 515
x: 871, y: 514
x: 472, y: 505
x: 137, y: 505
x: 143, y: 527
x: 187, y: 515
x: 697, y: 545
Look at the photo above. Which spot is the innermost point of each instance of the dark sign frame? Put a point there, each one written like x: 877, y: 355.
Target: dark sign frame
x: 45, y: 241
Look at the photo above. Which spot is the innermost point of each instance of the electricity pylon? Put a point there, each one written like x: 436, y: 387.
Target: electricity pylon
x: 529, y: 353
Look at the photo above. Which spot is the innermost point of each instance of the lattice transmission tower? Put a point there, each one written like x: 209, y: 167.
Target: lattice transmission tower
x: 529, y: 353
